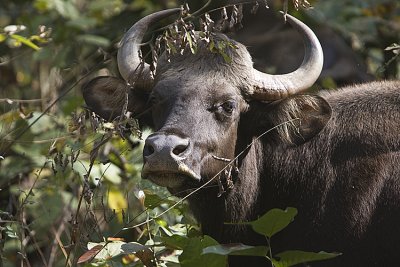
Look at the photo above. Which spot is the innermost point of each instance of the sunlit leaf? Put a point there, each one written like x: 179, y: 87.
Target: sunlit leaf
x: 42, y: 125
x: 41, y: 5
x: 294, y: 257
x: 10, y: 232
x: 110, y: 172
x: 11, y: 29
x: 39, y: 39
x: 10, y: 116
x: 236, y: 249
x: 24, y: 41
x: 192, y: 254
x: 273, y: 221
x: 161, y: 222
x: 395, y: 48
x: 2, y: 37
x: 107, y: 250
x: 117, y: 201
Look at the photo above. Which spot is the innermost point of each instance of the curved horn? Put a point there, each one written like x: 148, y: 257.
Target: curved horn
x: 131, y: 67
x: 273, y: 87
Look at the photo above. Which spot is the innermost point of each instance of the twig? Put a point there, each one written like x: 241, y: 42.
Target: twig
x: 221, y: 159
x: 75, y: 222
x: 42, y: 257
x: 56, y: 241
x: 10, y: 101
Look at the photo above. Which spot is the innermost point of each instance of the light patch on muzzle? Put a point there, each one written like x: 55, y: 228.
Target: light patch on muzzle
x: 170, y: 176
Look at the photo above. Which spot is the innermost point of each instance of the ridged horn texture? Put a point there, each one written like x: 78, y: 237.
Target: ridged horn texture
x: 269, y: 87
x: 131, y: 67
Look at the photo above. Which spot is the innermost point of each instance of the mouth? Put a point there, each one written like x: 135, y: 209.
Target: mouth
x: 171, y: 178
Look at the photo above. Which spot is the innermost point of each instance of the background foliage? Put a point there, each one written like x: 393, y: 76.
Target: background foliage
x: 70, y: 183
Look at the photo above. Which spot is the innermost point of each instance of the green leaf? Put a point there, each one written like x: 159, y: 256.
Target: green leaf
x: 105, y: 250
x: 161, y: 222
x: 25, y: 41
x: 2, y: 37
x: 227, y: 58
x: 153, y: 200
x: 94, y: 40
x: 236, y: 249
x: 175, y: 241
x: 221, y: 50
x: 106, y: 7
x: 83, y: 23
x: 132, y: 247
x: 212, y: 47
x: 273, y: 221
x: 66, y: 9
x: 192, y: 254
x: 294, y: 257
x: 41, y: 5
x: 43, y: 123
x: 10, y: 232
x: 39, y: 39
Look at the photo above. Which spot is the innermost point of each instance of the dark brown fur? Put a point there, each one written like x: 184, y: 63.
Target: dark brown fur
x: 337, y: 161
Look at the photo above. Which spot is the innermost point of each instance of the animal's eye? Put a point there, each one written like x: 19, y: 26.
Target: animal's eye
x: 228, y: 106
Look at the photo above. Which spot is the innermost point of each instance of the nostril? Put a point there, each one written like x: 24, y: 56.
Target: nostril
x: 179, y: 149
x: 148, y: 150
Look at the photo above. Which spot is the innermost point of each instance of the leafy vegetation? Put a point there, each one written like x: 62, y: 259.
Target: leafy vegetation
x: 70, y: 186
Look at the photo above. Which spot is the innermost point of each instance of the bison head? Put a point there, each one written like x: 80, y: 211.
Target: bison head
x: 200, y: 103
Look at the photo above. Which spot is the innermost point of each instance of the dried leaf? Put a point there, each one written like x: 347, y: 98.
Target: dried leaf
x: 395, y: 48
x: 192, y: 45
x: 255, y: 7
x: 234, y: 17
x: 224, y: 15
x: 90, y: 254
x: 146, y: 257
x: 301, y: 3
x: 209, y: 22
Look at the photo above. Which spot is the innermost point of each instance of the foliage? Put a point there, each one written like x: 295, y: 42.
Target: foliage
x: 70, y: 187
x: 370, y: 27
x: 268, y: 225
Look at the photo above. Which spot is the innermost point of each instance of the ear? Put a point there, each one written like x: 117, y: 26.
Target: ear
x: 106, y: 96
x: 301, y: 117
x: 297, y: 119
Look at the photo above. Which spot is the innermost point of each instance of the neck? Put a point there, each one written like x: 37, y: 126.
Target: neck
x: 236, y: 205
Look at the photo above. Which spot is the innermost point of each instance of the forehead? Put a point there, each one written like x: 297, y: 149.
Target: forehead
x: 195, y: 88
x: 205, y: 73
